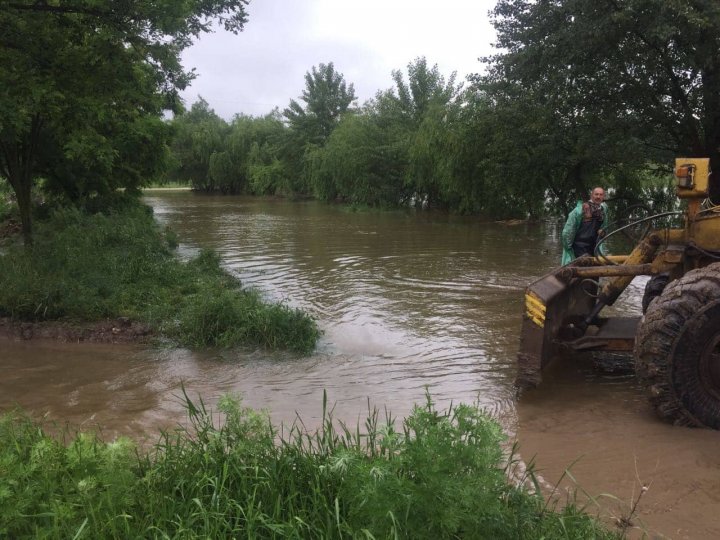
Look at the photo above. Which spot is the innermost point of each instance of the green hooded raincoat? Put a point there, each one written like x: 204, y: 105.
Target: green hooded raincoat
x: 572, y: 226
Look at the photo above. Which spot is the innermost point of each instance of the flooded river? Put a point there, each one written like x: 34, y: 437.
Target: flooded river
x: 406, y: 302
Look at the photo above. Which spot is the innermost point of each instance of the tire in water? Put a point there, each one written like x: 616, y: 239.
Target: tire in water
x: 677, y: 350
x: 654, y: 288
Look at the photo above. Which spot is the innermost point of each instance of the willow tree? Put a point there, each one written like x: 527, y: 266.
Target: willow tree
x: 325, y: 99
x: 198, y: 135
x: 84, y: 83
x: 418, y: 112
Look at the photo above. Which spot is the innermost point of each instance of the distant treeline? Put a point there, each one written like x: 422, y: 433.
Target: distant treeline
x: 428, y: 142
x: 579, y: 93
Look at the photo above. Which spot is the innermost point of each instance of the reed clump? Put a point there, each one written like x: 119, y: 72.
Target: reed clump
x: 87, y: 267
x: 439, y: 475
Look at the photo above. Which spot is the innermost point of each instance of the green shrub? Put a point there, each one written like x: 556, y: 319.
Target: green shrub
x: 89, y: 267
x: 5, y: 208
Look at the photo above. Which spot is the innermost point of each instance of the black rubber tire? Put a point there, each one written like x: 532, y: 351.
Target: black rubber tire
x: 614, y: 363
x: 654, y: 288
x: 677, y: 350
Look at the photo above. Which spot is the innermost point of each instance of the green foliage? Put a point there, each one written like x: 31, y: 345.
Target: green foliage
x: 198, y: 135
x: 5, y: 202
x: 359, y: 164
x: 219, y: 316
x: 327, y: 97
x: 84, y: 85
x: 239, y: 157
x: 609, y: 85
x: 252, y: 148
x: 440, y: 476
x: 410, y: 102
x: 90, y: 267
x: 418, y: 113
x: 266, y: 173
x: 527, y: 139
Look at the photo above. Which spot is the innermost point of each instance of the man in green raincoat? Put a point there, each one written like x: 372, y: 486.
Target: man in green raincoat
x: 584, y: 227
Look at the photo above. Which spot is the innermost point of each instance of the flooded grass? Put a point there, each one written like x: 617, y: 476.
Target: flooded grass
x: 90, y: 267
x: 442, y: 474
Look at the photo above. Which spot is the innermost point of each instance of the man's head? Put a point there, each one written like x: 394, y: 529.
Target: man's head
x: 597, y: 195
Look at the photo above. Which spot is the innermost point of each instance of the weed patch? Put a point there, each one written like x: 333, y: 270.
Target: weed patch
x: 440, y: 475
x: 89, y: 267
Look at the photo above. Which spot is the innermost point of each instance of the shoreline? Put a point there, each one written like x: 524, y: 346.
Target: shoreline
x: 119, y: 330
x: 179, y: 188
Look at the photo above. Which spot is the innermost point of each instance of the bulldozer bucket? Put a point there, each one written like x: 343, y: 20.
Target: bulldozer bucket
x: 561, y: 306
x: 552, y: 303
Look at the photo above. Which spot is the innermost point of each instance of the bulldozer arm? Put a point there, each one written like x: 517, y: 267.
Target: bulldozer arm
x: 562, y: 309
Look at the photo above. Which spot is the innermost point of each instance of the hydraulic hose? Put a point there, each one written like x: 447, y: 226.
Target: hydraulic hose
x: 634, y: 223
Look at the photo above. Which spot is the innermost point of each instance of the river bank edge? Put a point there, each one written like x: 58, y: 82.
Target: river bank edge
x: 116, y: 330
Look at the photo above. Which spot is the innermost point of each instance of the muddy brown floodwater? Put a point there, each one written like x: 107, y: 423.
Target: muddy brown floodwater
x: 407, y: 302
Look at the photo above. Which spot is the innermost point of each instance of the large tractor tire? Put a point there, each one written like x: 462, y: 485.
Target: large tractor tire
x: 677, y: 350
x: 653, y: 289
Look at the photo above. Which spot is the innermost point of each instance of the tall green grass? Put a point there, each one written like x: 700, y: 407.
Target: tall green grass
x: 85, y: 267
x: 439, y: 475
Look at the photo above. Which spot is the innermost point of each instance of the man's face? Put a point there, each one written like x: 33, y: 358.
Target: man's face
x: 598, y: 195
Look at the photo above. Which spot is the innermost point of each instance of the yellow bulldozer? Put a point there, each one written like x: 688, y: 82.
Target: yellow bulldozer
x: 675, y: 342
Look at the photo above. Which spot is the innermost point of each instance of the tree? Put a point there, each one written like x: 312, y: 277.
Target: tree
x: 359, y: 164
x: 198, y: 135
x: 266, y: 172
x: 425, y: 88
x: 646, y: 70
x: 537, y: 148
x: 327, y: 97
x: 418, y: 112
x: 83, y: 85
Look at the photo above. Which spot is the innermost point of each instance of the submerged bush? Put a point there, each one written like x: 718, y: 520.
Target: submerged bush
x: 90, y: 267
x: 439, y: 476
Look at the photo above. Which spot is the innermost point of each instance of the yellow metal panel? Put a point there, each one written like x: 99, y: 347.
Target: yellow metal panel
x: 706, y: 233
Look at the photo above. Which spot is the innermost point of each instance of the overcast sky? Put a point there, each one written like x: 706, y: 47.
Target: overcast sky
x: 264, y: 66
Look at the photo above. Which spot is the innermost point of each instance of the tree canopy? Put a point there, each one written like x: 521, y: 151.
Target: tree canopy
x: 580, y: 93
x: 616, y: 72
x: 327, y: 97
x: 83, y: 85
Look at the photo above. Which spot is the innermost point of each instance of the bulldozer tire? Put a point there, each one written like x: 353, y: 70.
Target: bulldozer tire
x: 654, y: 288
x: 614, y: 363
x: 677, y: 350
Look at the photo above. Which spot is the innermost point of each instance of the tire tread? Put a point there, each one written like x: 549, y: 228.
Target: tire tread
x: 659, y: 330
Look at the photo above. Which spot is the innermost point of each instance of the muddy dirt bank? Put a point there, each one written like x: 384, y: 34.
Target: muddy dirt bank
x: 120, y: 330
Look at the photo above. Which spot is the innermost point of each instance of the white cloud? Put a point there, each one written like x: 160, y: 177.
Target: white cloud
x: 264, y: 66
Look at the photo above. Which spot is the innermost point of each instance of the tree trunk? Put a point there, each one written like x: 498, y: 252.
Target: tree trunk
x: 16, y: 163
x: 577, y: 182
x: 711, y: 125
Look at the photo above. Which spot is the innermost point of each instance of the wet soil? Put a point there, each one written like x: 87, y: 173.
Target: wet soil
x: 120, y: 330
